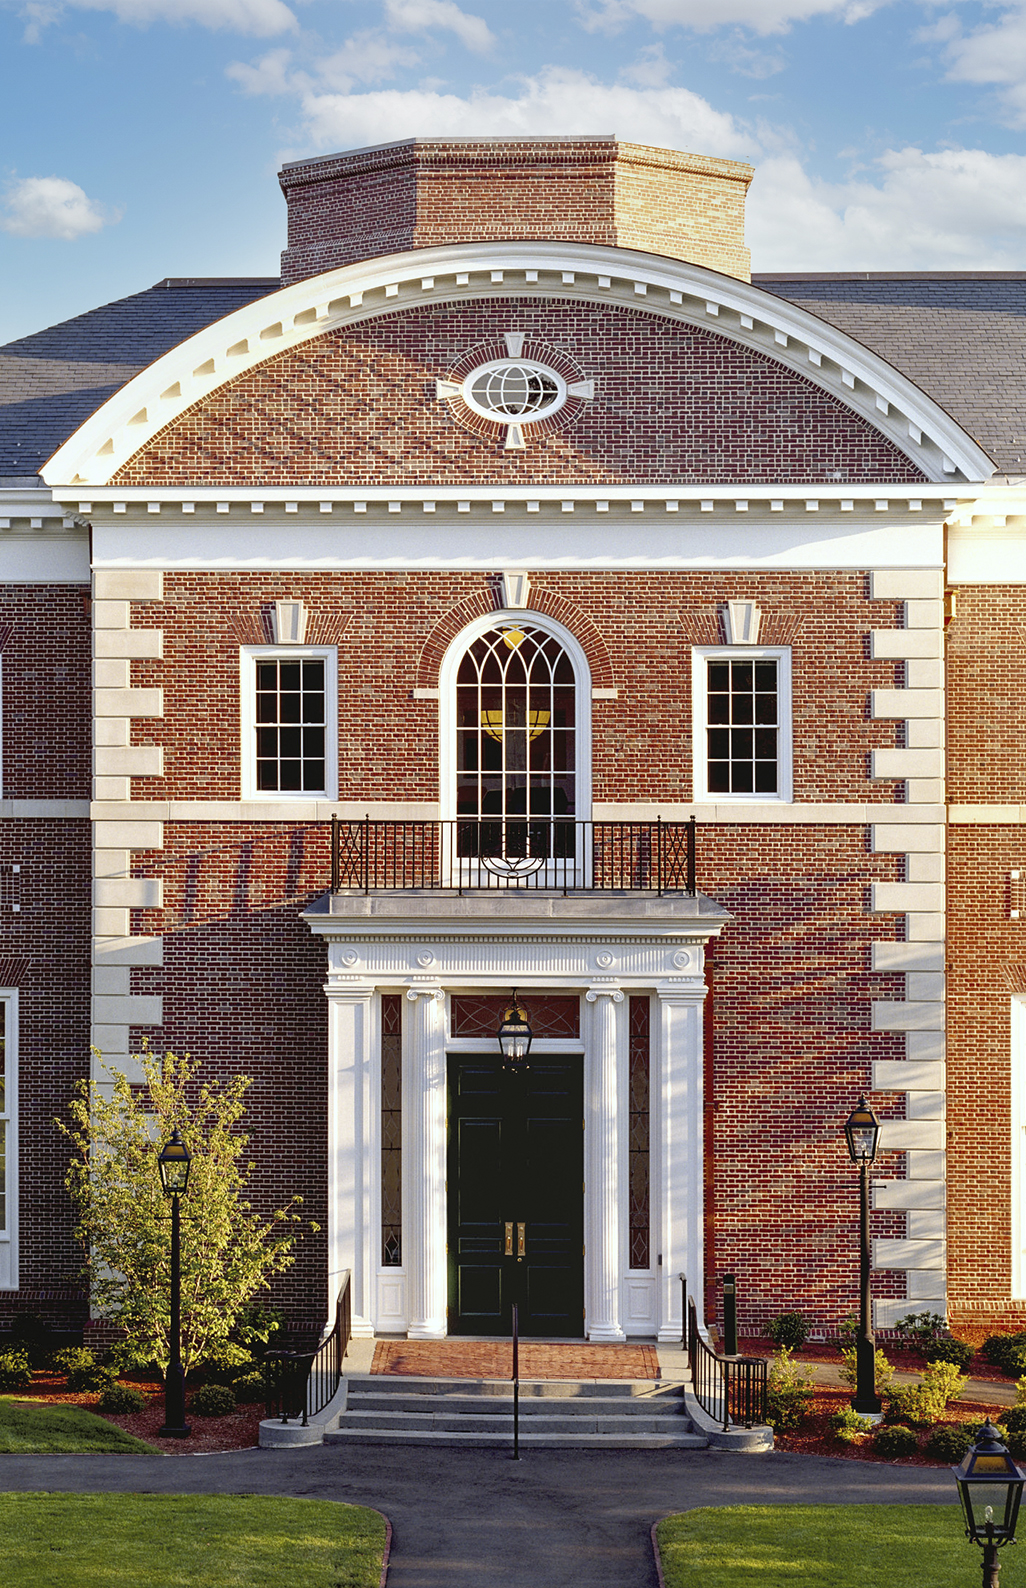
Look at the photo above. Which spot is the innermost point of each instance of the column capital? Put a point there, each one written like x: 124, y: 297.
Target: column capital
x: 436, y: 993
x: 595, y: 993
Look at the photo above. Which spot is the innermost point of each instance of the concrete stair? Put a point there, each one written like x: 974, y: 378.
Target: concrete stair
x: 628, y: 1415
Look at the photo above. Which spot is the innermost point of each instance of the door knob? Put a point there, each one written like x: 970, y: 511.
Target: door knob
x: 509, y: 1240
x: 520, y: 1239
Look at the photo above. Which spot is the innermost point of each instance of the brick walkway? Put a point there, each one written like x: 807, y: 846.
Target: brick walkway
x: 494, y: 1359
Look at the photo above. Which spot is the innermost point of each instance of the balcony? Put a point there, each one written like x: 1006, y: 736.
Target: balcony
x: 512, y: 854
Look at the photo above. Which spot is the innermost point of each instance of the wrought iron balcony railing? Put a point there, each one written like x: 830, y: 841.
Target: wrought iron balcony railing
x: 546, y: 854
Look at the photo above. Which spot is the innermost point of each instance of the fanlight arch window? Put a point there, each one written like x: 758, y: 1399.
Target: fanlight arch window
x: 517, y: 774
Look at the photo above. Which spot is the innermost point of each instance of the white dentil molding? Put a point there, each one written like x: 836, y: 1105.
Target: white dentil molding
x: 672, y: 289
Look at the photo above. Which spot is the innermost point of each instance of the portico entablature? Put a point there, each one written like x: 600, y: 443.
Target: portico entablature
x: 668, y: 288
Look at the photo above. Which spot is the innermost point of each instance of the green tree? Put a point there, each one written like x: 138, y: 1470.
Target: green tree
x: 229, y: 1252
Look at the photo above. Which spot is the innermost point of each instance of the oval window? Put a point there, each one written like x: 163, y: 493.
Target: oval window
x: 514, y: 391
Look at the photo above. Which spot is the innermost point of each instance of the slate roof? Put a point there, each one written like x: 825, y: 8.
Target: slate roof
x: 53, y: 380
x: 961, y: 336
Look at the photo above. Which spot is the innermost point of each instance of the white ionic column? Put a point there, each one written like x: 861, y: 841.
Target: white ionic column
x: 606, y: 1049
x: 677, y: 1184
x: 351, y: 1138
x: 424, y: 1226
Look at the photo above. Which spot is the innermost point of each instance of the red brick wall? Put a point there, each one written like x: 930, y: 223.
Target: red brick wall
x: 243, y: 988
x: 358, y: 406
x: 986, y: 966
x: 792, y: 1047
x: 46, y: 701
x: 986, y: 696
x: 44, y: 952
x: 647, y: 624
x: 426, y: 192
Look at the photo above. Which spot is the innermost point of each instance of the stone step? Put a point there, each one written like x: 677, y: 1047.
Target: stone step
x: 452, y: 1420
x: 616, y: 1441
x: 530, y: 1389
x: 365, y: 1400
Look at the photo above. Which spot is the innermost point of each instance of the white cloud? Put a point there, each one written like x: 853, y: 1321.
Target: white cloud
x: 261, y: 18
x: 993, y: 54
x: 955, y: 209
x: 424, y: 16
x: 51, y: 206
x: 557, y: 101
x: 762, y: 16
x: 365, y: 58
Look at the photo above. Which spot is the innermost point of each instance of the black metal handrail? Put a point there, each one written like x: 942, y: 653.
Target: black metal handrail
x: 544, y: 853
x: 731, y: 1389
x: 301, y: 1383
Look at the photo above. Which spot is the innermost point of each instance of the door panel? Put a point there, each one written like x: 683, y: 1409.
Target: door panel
x: 516, y: 1156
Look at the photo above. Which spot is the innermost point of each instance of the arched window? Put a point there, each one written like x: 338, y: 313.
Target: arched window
x: 518, y: 784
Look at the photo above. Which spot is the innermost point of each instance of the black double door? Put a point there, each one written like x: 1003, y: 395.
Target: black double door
x: 516, y: 1196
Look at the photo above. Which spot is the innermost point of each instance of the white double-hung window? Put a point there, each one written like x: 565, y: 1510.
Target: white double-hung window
x: 8, y: 1139
x: 289, y: 722
x: 742, y: 722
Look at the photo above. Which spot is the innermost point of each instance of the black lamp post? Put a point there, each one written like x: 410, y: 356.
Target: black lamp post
x: 990, y: 1488
x: 862, y: 1132
x: 173, y: 1164
x: 515, y: 1035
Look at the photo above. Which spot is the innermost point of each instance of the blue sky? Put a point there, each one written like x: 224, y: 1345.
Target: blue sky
x: 140, y: 138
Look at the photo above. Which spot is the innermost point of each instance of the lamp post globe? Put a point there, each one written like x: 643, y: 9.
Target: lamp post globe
x: 862, y: 1134
x: 173, y: 1164
x: 990, y: 1489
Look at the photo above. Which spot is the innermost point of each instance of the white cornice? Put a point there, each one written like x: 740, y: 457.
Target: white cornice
x: 890, y: 402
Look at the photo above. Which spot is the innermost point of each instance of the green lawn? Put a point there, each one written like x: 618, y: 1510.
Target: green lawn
x: 59, y: 1430
x: 824, y: 1546
x: 187, y: 1541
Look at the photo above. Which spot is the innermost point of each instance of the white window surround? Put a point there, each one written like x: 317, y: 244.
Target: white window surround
x: 700, y: 656
x: 1017, y: 1100
x: 9, y: 1124
x: 447, y: 701
x: 249, y: 655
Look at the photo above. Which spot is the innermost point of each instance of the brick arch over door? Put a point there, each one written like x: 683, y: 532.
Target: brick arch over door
x: 543, y: 602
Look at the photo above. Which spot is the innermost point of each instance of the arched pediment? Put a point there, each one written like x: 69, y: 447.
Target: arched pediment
x: 747, y: 316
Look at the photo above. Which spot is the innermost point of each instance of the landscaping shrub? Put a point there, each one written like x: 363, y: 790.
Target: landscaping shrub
x: 894, y: 1439
x: 947, y: 1349
x: 1014, y: 1419
x: 789, y: 1392
x: 212, y: 1400
x: 31, y: 1333
x: 918, y: 1329
x: 1016, y: 1442
x: 223, y: 1363
x: 924, y: 1403
x: 789, y: 1329
x: 81, y: 1369
x: 121, y: 1398
x: 1007, y: 1352
x: 849, y: 1427
x: 250, y: 1388
x: 949, y: 1441
x: 883, y: 1375
x: 15, y: 1370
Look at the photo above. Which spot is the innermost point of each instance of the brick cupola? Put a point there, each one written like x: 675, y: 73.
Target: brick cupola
x: 425, y: 192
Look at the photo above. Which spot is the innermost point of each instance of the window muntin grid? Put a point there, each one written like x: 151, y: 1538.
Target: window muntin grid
x: 290, y: 724
x: 743, y: 725
x: 391, y: 1131
x: 516, y: 752
x: 514, y: 391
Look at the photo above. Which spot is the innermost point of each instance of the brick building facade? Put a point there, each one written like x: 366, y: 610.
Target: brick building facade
x: 606, y: 600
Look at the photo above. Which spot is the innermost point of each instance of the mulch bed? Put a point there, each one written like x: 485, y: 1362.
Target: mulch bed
x: 238, y: 1431
x: 815, y: 1438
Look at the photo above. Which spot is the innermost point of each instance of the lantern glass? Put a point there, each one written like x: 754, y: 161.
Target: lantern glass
x: 990, y: 1488
x: 862, y: 1132
x: 515, y: 1035
x: 174, y: 1163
